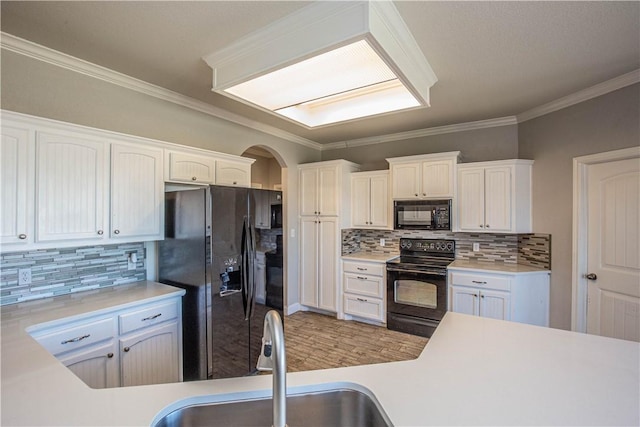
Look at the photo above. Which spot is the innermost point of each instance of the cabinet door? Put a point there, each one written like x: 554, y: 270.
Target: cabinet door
x: 495, y: 304
x: 327, y: 263
x: 151, y: 357
x: 16, y: 187
x: 405, y: 178
x: 464, y: 300
x: 360, y: 201
x: 72, y: 187
x: 471, y: 199
x: 137, y: 192
x: 97, y: 365
x: 191, y: 168
x: 498, y: 198
x: 437, y: 179
x: 309, y: 261
x: 262, y: 211
x: 379, y: 194
x: 328, y: 190
x: 308, y: 190
x: 234, y: 174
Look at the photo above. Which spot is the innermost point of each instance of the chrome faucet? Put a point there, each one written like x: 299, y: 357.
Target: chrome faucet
x: 273, y: 358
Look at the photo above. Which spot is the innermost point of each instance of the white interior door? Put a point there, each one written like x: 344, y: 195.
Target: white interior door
x: 613, y: 290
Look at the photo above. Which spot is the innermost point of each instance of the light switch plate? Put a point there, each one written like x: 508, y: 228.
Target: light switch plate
x: 476, y: 247
x: 382, y: 242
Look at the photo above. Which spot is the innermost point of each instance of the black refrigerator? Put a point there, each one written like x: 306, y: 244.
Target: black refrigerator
x: 211, y: 238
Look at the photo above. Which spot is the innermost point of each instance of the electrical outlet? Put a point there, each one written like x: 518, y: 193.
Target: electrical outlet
x: 24, y: 276
x: 382, y: 242
x: 476, y: 247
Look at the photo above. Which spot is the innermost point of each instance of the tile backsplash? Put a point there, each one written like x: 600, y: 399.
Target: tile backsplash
x: 68, y: 270
x: 528, y: 249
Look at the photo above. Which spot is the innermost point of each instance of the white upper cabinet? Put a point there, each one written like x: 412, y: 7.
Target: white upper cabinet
x: 16, y: 186
x: 495, y: 196
x: 137, y: 192
x: 72, y: 184
x: 370, y: 202
x: 430, y: 176
x: 234, y: 173
x: 192, y: 168
x: 321, y: 187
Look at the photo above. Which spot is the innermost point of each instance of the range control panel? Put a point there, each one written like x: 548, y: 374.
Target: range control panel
x: 427, y: 245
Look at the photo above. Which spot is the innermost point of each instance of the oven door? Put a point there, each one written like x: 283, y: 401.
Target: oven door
x: 417, y: 294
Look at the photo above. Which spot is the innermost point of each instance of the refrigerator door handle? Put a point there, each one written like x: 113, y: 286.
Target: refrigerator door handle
x: 251, y: 272
x: 244, y: 268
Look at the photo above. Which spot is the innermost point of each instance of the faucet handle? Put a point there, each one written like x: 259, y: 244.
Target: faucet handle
x: 265, y: 362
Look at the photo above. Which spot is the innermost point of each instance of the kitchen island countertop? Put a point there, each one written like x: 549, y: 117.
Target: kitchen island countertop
x: 473, y: 371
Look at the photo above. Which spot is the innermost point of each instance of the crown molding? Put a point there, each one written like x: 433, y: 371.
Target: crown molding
x: 583, y: 95
x: 460, y: 127
x: 42, y: 53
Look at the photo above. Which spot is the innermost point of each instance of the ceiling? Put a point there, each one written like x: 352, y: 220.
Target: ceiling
x: 492, y: 59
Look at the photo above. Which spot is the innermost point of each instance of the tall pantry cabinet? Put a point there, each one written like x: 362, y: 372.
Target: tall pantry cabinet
x: 324, y: 198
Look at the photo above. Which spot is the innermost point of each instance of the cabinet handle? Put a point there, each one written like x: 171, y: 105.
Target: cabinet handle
x: 481, y: 226
x: 361, y: 269
x: 475, y: 295
x: 76, y: 339
x: 116, y: 231
x: 424, y: 194
x: 126, y: 349
x: 416, y: 194
x: 235, y: 182
x: 481, y: 296
x: 486, y: 226
x: 155, y: 316
x: 361, y: 278
x: 110, y: 355
x: 362, y: 299
x: 193, y: 178
x: 22, y: 236
x: 478, y: 282
x: 100, y: 232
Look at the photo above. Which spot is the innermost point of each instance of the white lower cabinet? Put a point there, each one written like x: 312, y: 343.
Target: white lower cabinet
x: 519, y: 297
x: 364, y: 290
x: 146, y: 347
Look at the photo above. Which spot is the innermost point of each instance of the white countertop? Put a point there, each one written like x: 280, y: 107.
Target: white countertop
x: 370, y: 256
x: 473, y: 371
x: 490, y: 267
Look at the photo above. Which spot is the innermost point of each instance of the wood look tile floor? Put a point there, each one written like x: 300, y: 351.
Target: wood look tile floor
x: 315, y: 341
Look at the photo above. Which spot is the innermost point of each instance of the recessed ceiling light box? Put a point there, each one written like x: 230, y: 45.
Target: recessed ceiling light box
x: 327, y: 63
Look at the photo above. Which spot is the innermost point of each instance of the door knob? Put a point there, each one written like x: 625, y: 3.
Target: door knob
x: 590, y: 276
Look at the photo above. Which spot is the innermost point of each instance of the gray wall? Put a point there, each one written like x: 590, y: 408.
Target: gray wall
x: 40, y: 89
x: 606, y: 123
x: 498, y: 143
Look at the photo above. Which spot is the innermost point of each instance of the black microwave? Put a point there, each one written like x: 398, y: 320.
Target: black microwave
x: 422, y: 215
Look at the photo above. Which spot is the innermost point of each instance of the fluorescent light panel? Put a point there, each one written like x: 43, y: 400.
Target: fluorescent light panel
x: 343, y: 84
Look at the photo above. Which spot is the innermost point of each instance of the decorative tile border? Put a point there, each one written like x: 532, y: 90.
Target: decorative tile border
x: 528, y: 249
x: 69, y: 270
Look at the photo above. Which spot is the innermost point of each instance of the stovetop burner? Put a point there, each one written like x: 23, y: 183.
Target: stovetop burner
x: 425, y: 254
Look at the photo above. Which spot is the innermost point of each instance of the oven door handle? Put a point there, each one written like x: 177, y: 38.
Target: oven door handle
x: 406, y: 270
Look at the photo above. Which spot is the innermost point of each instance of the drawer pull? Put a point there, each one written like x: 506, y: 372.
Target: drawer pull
x: 361, y: 278
x: 362, y: 299
x: 76, y: 339
x: 362, y: 269
x: 110, y: 355
x: 478, y: 282
x: 22, y: 236
x: 155, y: 316
x: 126, y: 349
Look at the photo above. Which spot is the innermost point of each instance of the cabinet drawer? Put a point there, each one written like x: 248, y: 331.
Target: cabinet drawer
x: 363, y: 268
x: 148, y: 316
x: 76, y: 337
x: 481, y: 281
x: 364, y: 285
x: 370, y: 308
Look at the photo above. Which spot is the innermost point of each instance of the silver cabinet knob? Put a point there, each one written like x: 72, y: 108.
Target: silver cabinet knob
x: 22, y: 236
x: 193, y: 178
x: 116, y: 231
x: 100, y: 232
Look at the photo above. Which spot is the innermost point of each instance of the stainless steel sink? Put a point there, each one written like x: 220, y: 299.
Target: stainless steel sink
x: 336, y: 407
